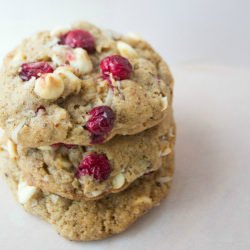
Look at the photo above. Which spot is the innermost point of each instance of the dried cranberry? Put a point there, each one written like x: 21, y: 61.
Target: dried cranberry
x: 40, y: 108
x: 95, y: 165
x: 118, y: 66
x: 79, y: 39
x: 34, y: 69
x: 100, y: 123
x: 60, y: 144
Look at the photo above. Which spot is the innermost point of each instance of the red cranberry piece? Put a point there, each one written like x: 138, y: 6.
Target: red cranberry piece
x: 118, y: 66
x: 96, y: 165
x: 101, y: 121
x: 60, y: 144
x: 41, y: 108
x: 34, y: 69
x: 79, y: 39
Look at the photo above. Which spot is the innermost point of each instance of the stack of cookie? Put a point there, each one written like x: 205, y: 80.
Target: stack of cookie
x: 87, y: 131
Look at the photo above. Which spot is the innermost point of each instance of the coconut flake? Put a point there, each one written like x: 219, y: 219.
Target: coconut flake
x: 109, y: 97
x: 16, y: 130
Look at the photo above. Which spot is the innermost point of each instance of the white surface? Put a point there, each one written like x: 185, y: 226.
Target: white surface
x: 207, y: 43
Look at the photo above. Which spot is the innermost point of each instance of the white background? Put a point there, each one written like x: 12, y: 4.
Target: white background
x: 207, y: 44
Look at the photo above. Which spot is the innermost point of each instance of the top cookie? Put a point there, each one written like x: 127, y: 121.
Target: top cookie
x: 82, y: 85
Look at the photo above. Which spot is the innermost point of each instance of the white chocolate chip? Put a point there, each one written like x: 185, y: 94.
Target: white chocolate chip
x: 118, y: 181
x: 126, y: 50
x: 45, y: 148
x: 143, y: 200
x: 62, y: 163
x: 54, y: 198
x: 59, y: 115
x: 49, y: 86
x: 164, y: 179
x: 71, y: 82
x: 16, y: 130
x: 164, y: 101
x: 80, y: 61
x: 57, y: 31
x: 25, y: 192
x: 78, y: 58
x: 59, y: 54
x: 133, y: 36
x: 94, y: 193
x: 12, y: 149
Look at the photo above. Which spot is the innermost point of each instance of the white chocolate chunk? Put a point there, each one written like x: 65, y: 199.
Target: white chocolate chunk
x: 94, y: 193
x: 60, y: 30
x: 25, y: 192
x: 78, y: 58
x: 118, y: 181
x: 12, y: 149
x: 126, y: 50
x: 164, y: 179
x: 133, y: 36
x: 143, y: 200
x: 49, y: 86
x: 71, y: 82
x: 45, y: 148
x: 62, y: 163
x: 80, y: 61
x: 59, y: 54
x: 164, y: 101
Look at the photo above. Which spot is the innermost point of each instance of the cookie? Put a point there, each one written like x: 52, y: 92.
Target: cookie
x: 77, y: 172
x: 82, y: 85
x: 93, y: 220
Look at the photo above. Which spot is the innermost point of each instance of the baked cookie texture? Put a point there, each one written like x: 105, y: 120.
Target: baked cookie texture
x: 53, y: 169
x: 52, y: 103
x: 87, y: 132
x: 94, y: 220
